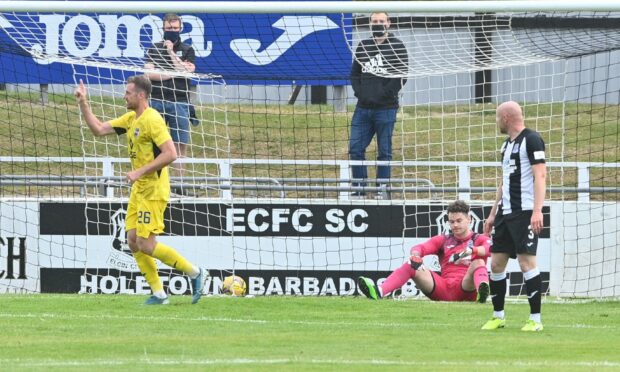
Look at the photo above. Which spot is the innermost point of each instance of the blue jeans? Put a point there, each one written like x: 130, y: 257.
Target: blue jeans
x: 176, y: 115
x: 364, y: 125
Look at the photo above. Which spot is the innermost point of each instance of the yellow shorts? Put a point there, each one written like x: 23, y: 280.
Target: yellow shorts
x: 146, y: 216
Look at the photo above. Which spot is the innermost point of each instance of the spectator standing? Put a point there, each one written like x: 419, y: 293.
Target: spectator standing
x: 377, y: 76
x: 170, y: 95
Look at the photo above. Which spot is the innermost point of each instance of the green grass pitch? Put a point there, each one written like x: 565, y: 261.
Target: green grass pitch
x: 104, y: 332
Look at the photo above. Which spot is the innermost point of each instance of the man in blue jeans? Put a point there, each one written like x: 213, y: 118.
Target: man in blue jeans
x: 377, y: 76
x: 170, y: 94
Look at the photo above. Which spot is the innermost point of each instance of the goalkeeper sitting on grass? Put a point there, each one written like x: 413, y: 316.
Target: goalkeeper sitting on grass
x: 462, y: 257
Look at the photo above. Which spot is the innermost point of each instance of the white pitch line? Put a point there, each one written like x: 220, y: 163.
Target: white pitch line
x: 517, y: 300
x: 342, y: 362
x: 210, y: 319
x: 261, y: 321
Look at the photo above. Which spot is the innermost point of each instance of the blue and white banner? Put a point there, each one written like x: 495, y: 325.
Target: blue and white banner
x: 257, y: 48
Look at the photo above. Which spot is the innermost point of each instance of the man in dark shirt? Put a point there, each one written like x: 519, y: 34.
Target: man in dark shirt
x: 377, y: 76
x: 170, y: 95
x: 517, y: 215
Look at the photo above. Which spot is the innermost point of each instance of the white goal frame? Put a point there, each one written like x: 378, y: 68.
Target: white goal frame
x: 311, y: 6
x: 335, y: 7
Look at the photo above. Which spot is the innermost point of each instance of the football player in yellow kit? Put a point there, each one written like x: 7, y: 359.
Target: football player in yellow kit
x: 151, y: 150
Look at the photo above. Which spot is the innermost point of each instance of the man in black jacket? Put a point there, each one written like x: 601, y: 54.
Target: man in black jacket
x: 377, y: 76
x: 170, y: 94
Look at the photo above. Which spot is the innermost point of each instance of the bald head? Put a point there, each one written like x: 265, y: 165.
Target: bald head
x: 509, y: 118
x: 510, y: 109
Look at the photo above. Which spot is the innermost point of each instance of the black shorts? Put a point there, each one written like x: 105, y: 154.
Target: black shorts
x: 514, y: 235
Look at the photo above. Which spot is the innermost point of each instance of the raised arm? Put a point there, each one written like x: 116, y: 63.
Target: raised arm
x: 97, y: 127
x: 177, y: 63
x: 155, y: 76
x: 152, y: 54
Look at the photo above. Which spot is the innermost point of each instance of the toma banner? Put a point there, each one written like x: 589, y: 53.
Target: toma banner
x: 256, y: 48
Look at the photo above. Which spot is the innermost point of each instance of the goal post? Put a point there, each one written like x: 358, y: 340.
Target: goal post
x: 325, y: 6
x: 267, y: 169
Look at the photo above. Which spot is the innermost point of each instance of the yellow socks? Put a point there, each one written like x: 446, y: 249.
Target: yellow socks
x: 172, y: 258
x: 148, y: 267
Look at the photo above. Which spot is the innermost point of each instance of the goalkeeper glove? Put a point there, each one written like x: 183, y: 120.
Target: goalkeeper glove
x: 416, y: 262
x: 459, y: 256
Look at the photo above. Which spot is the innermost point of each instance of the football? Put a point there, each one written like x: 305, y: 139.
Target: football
x: 234, y: 285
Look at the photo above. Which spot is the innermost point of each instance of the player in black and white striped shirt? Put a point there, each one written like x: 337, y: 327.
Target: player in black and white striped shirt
x: 517, y: 213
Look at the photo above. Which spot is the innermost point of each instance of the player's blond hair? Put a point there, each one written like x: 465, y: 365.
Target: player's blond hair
x: 142, y: 83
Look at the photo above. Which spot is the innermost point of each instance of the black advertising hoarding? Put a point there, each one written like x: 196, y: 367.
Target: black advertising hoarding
x: 314, y: 220
x: 250, y: 220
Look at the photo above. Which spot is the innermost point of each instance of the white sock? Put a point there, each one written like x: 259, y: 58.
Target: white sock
x: 535, y: 317
x: 530, y: 274
x: 498, y: 314
x: 194, y: 273
x: 497, y: 276
x: 160, y: 294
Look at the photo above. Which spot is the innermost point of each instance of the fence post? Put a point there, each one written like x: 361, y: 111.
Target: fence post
x: 44, y: 94
x: 344, y: 168
x: 464, y: 182
x: 340, y: 99
x: 583, y: 182
x: 108, y: 171
x: 226, y: 173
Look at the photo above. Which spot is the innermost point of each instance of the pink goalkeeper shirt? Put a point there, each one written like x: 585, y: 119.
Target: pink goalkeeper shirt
x: 445, y: 246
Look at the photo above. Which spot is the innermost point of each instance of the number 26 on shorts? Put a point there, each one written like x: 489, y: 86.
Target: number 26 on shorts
x: 144, y: 217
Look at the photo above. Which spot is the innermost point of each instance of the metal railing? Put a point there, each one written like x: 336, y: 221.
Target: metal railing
x: 226, y: 181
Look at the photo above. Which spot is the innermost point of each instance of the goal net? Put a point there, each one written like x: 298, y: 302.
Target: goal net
x: 265, y: 188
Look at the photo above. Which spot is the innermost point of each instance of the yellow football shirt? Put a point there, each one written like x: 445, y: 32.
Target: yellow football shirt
x: 144, y: 136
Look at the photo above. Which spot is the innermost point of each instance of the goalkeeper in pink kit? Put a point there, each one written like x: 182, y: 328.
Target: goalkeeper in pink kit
x: 462, y: 257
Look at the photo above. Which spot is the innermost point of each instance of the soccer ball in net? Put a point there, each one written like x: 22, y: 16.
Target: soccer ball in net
x: 234, y: 285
